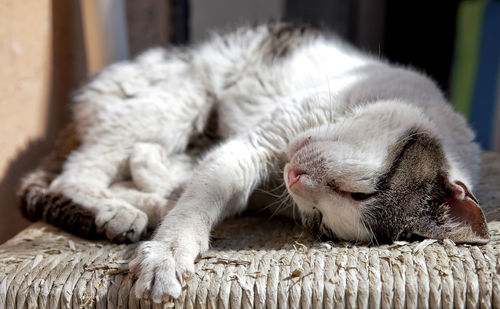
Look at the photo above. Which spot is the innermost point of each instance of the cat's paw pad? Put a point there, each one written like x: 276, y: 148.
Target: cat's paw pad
x: 161, y: 268
x: 121, y: 223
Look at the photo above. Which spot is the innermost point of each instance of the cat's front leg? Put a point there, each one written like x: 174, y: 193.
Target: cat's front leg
x: 86, y: 177
x: 219, y: 189
x: 163, y: 263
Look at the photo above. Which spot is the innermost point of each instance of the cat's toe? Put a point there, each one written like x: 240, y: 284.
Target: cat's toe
x: 122, y: 224
x: 165, y: 281
x: 156, y: 269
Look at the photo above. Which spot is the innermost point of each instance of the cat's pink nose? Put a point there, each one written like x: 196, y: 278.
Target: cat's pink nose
x: 293, y: 177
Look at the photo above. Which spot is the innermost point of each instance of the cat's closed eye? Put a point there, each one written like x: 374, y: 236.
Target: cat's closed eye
x: 360, y: 196
x: 357, y: 196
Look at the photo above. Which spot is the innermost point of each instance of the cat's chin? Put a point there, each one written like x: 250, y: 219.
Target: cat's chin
x: 342, y: 230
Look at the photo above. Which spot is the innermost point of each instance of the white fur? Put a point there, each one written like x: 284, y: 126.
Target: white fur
x: 135, y: 119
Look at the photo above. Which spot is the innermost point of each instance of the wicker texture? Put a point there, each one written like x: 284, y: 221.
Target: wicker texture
x: 260, y: 262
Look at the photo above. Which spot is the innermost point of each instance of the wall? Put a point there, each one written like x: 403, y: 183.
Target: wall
x: 41, y: 60
x: 25, y: 35
x: 220, y: 14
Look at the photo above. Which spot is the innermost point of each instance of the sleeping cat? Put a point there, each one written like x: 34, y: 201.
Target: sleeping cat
x: 367, y: 150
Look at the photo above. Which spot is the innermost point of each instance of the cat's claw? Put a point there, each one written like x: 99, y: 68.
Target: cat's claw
x: 160, y: 270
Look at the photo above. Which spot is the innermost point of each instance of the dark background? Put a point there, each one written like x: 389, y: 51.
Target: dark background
x: 416, y: 33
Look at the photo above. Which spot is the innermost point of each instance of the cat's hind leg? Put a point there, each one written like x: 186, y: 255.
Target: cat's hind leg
x: 154, y: 171
x: 153, y: 205
x: 156, y: 178
x: 161, y: 96
x: 86, y: 177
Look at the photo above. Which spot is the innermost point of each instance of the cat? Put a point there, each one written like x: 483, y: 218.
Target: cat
x: 369, y: 151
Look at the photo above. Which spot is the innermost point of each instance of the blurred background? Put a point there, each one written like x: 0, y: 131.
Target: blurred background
x: 50, y: 47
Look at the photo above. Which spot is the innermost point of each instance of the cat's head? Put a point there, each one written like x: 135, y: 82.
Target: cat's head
x: 380, y: 175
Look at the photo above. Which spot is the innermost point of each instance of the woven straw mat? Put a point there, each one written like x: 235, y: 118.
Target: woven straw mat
x: 259, y: 262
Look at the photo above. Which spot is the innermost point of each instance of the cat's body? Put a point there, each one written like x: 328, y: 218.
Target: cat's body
x: 368, y: 151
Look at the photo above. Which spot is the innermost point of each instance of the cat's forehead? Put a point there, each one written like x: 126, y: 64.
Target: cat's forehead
x: 416, y: 158
x: 379, y: 123
x: 368, y: 143
x: 367, y: 137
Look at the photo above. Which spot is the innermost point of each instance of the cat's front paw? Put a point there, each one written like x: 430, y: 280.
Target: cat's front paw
x: 121, y: 223
x: 161, y: 267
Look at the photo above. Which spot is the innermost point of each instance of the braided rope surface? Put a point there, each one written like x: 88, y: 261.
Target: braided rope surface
x: 259, y: 262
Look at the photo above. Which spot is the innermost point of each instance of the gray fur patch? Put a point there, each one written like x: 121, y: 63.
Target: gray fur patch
x: 37, y: 203
x: 412, y: 189
x: 200, y: 142
x: 284, y: 38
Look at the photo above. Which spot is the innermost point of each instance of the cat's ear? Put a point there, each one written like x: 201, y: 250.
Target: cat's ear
x: 458, y: 217
x: 464, y: 209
